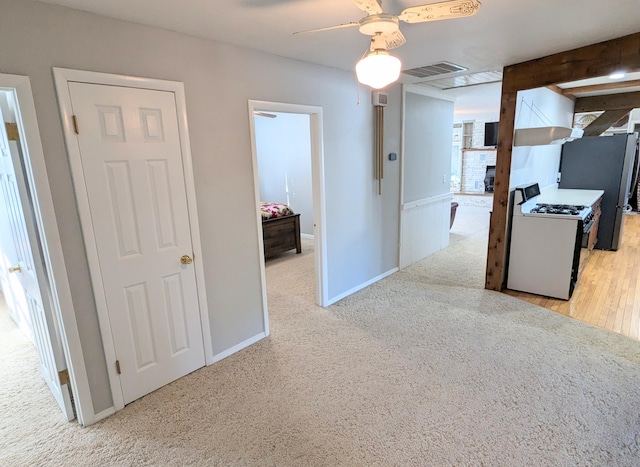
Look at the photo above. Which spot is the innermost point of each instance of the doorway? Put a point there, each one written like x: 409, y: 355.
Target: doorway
x: 313, y: 202
x: 32, y: 272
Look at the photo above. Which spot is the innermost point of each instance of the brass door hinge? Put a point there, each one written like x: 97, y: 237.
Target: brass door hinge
x: 75, y: 124
x: 12, y: 131
x: 63, y: 377
x: 118, y: 367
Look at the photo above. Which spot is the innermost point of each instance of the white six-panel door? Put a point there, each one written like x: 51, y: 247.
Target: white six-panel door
x: 133, y: 173
x: 24, y: 277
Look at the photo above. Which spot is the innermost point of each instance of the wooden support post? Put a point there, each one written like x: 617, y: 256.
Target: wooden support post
x: 496, y: 251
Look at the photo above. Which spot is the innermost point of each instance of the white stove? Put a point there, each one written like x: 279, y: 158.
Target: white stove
x: 545, y: 242
x: 527, y: 203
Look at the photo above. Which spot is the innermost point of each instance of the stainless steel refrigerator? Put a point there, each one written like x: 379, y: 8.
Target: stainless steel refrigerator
x: 603, y: 163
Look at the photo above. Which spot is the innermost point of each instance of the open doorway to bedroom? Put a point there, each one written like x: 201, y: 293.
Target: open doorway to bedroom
x: 32, y: 289
x: 289, y: 188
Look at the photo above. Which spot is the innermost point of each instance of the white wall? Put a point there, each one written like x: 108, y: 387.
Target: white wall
x: 426, y: 201
x: 283, y: 146
x: 529, y: 164
x: 538, y: 108
x: 362, y: 227
x: 480, y: 102
x: 428, y: 138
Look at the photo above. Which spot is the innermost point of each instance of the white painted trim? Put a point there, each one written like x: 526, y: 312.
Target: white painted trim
x: 429, y: 200
x: 256, y: 194
x: 427, y: 91
x: 307, y: 236
x: 319, y: 209
x: 402, y: 169
x: 239, y: 347
x: 319, y: 203
x: 424, y: 228
x: 104, y: 414
x: 185, y: 144
x: 362, y: 286
x: 50, y: 243
x: 62, y: 77
x: 403, y: 107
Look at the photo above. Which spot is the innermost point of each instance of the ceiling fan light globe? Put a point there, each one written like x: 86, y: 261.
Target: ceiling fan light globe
x: 378, y: 69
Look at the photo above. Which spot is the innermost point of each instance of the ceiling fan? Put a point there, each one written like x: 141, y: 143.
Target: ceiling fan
x: 385, y: 30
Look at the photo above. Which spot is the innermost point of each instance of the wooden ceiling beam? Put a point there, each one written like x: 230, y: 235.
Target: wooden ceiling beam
x: 605, y: 121
x: 591, y: 61
x: 626, y: 100
x: 601, y: 87
x: 559, y: 90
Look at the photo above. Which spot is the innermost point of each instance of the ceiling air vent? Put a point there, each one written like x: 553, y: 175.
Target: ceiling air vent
x: 459, y: 81
x: 442, y: 68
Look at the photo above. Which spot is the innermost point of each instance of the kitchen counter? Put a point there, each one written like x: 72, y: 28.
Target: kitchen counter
x: 566, y: 196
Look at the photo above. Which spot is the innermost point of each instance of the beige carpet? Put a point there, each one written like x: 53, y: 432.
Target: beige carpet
x: 422, y: 368
x: 474, y: 200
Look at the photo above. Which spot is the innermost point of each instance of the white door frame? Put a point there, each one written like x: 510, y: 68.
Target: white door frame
x: 42, y: 203
x: 317, y: 177
x: 62, y: 77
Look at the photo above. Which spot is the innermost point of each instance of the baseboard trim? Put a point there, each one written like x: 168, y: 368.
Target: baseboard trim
x: 337, y: 298
x: 309, y: 236
x: 239, y: 347
x: 102, y: 415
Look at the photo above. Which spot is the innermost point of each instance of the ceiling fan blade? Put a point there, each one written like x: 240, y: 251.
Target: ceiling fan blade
x: 387, y: 41
x: 328, y: 28
x: 371, y: 7
x: 441, y: 10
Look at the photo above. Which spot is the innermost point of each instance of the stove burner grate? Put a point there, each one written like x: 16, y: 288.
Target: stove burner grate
x: 565, y: 209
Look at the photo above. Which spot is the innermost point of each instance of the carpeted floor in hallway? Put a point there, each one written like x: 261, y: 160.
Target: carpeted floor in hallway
x: 422, y: 368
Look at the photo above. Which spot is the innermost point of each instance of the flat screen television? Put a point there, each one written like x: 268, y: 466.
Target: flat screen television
x: 491, y: 134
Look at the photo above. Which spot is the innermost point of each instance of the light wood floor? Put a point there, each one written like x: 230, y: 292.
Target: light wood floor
x: 608, y: 291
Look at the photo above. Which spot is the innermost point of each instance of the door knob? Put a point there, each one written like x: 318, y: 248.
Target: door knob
x: 186, y: 259
x: 15, y: 269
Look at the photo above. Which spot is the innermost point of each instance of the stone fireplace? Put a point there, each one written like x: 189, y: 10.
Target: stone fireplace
x: 475, y: 162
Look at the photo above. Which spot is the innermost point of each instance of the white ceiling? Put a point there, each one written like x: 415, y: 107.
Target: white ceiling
x: 502, y: 33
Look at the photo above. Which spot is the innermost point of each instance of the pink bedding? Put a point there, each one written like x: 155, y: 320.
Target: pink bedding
x: 273, y: 210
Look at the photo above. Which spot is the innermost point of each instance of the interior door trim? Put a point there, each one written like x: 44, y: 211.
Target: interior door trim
x: 62, y: 77
x: 42, y: 203
x: 318, y: 187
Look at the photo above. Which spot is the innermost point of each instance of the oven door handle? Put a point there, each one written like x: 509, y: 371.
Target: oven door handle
x: 586, y: 228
